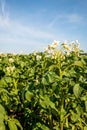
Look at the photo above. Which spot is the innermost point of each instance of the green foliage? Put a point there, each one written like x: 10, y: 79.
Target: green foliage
x: 44, y: 90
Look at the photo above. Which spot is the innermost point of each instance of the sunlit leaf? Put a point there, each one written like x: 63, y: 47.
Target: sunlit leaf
x: 28, y: 95
x: 86, y: 105
x: 18, y: 124
x: 85, y: 128
x: 77, y: 90
x: 45, y: 81
x: 2, y: 110
x: 78, y: 63
x: 2, y: 125
x: 12, y: 125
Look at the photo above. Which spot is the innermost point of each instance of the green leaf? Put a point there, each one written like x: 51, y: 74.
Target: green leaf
x: 2, y: 125
x: 42, y: 126
x: 77, y: 90
x: 56, y: 128
x: 2, y: 83
x: 84, y: 98
x: 2, y: 110
x: 51, y: 77
x: 1, y: 117
x: 45, y: 80
x: 86, y: 105
x: 8, y: 79
x: 85, y: 128
x: 74, y: 117
x: 18, y: 123
x: 12, y: 125
x: 46, y: 102
x: 28, y: 95
x: 78, y: 63
x: 2, y: 90
x: 54, y: 86
x: 79, y: 110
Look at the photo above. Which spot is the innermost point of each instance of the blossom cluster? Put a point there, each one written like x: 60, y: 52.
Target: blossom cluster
x: 10, y: 69
x: 65, y: 48
x: 11, y: 60
x: 72, y: 46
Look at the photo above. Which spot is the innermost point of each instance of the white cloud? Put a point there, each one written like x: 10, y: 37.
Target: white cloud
x: 74, y: 18
x: 4, y: 17
x: 3, y: 7
x: 66, y: 18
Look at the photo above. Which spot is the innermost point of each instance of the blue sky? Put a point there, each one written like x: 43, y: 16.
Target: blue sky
x: 28, y: 25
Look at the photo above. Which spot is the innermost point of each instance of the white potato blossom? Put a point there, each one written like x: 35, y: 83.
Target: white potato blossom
x: 10, y: 69
x: 76, y: 46
x: 53, y: 51
x: 50, y: 49
x: 38, y: 57
x: 55, y: 43
x: 46, y: 49
x: 65, y: 46
x: 11, y: 60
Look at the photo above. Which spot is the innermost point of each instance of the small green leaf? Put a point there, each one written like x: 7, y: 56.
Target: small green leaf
x: 77, y: 90
x: 51, y: 77
x: 54, y: 86
x: 45, y: 80
x: 43, y: 127
x: 28, y: 95
x: 74, y: 117
x: 56, y: 128
x: 79, y: 110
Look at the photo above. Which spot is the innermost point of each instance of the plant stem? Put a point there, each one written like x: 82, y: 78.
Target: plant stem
x: 61, y: 114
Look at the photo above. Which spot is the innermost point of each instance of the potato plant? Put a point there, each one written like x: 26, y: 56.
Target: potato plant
x: 44, y: 90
